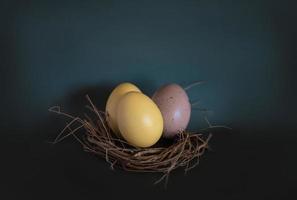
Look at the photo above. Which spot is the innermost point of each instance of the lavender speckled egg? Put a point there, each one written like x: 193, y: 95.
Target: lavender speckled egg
x: 175, y: 107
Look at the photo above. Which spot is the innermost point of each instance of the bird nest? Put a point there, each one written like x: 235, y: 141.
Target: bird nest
x: 97, y: 138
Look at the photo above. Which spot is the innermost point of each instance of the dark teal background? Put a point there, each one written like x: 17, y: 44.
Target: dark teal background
x: 55, y: 52
x: 243, y: 49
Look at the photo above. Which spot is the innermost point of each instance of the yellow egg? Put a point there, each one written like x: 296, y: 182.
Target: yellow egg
x: 139, y: 119
x: 112, y: 103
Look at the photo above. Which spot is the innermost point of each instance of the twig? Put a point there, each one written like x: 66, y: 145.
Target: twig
x: 99, y: 140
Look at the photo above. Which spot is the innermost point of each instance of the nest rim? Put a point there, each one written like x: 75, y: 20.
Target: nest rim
x: 185, y: 151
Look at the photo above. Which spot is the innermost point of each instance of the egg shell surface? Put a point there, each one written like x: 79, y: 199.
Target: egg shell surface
x: 175, y: 107
x: 112, y: 103
x: 139, y: 119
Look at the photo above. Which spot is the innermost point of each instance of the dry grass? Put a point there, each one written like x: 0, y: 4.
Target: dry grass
x: 97, y: 138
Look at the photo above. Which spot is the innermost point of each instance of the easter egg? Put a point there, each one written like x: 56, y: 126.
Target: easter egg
x: 139, y: 120
x: 112, y: 103
x: 175, y: 107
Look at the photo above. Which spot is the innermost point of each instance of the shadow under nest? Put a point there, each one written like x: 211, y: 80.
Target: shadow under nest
x: 183, y: 151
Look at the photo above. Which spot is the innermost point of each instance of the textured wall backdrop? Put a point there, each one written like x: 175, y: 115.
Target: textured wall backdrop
x: 242, y: 49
